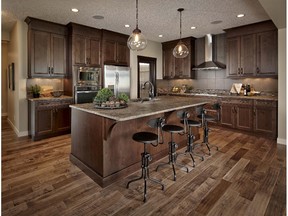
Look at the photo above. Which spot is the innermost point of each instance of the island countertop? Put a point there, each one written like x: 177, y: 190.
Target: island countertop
x: 138, y: 109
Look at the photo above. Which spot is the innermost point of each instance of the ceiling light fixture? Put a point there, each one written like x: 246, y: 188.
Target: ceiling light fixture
x: 193, y: 27
x: 240, y: 15
x: 160, y: 36
x: 181, y: 50
x: 137, y: 40
x: 74, y: 10
x: 127, y: 26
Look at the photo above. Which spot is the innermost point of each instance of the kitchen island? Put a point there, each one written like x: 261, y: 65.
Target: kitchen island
x: 102, y: 145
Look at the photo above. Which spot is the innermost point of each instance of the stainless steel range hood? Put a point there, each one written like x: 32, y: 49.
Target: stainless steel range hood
x: 210, y: 63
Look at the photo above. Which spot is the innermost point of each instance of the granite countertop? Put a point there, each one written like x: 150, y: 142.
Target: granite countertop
x: 63, y: 97
x: 258, y: 97
x: 147, y: 108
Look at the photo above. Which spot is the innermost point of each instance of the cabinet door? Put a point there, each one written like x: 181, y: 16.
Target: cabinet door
x: 62, y: 119
x: 267, y: 52
x: 265, y: 117
x: 248, y: 55
x: 233, y: 56
x: 183, y: 67
x: 44, y: 122
x: 122, y: 56
x: 110, y: 52
x: 244, y: 117
x: 79, y: 50
x: 94, y: 52
x: 227, y: 114
x: 168, y: 63
x: 39, y: 53
x: 58, y: 55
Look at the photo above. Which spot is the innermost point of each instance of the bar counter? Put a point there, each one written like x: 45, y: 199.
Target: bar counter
x: 102, y: 145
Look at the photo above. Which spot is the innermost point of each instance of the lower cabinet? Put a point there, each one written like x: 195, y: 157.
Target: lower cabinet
x: 237, y: 114
x: 257, y: 116
x: 49, y: 118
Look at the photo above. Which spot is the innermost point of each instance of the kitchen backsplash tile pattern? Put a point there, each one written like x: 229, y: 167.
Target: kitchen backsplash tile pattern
x: 216, y: 79
x: 57, y: 84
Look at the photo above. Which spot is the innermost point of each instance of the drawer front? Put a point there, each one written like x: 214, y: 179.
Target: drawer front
x: 267, y: 103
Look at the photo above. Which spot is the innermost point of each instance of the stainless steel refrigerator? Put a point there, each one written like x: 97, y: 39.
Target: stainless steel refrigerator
x: 117, y: 78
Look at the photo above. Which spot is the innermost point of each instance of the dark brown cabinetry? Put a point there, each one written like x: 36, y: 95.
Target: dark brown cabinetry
x: 49, y: 118
x: 47, y: 49
x: 237, y: 114
x: 178, y: 68
x: 85, y: 46
x: 115, y: 50
x: 252, y: 50
x: 265, y: 117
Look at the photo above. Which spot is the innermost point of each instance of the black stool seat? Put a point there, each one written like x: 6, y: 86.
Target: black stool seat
x: 145, y: 137
x: 172, y: 128
x: 207, y: 117
x: 192, y: 123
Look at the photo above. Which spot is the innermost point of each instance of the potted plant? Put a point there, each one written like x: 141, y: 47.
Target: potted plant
x: 35, y: 89
x: 102, y: 96
x: 123, y: 98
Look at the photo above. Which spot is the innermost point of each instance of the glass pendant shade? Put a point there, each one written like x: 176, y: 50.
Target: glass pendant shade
x: 181, y: 50
x: 137, y: 41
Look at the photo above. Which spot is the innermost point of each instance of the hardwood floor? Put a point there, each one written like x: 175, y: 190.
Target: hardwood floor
x: 247, y: 176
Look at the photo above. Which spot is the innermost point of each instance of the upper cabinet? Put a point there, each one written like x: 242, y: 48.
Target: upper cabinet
x: 85, y: 45
x: 178, y: 68
x: 115, y: 50
x: 47, y: 49
x: 252, y: 50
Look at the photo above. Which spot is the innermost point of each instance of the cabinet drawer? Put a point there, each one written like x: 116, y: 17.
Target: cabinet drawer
x: 237, y: 101
x: 267, y: 103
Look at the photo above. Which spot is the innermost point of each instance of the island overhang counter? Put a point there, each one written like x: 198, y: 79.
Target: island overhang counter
x: 101, y: 139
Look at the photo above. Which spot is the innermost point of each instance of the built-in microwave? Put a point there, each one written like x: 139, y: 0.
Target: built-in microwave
x: 89, y: 76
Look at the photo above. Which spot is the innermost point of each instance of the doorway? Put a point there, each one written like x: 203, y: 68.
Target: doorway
x: 146, y: 72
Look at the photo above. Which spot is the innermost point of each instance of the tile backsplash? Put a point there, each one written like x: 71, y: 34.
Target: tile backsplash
x: 216, y: 79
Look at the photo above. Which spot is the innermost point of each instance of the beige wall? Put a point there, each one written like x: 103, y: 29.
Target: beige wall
x: 17, y: 102
x: 153, y: 50
x: 282, y: 91
x: 4, y: 79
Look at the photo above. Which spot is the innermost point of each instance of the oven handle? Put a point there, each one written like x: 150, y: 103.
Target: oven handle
x: 86, y: 92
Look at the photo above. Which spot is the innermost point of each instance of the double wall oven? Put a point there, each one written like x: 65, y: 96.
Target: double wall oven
x: 88, y: 84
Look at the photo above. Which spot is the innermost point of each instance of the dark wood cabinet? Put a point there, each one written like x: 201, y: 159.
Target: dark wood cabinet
x: 265, y: 117
x: 47, y: 49
x: 237, y: 114
x: 49, y: 118
x: 252, y: 50
x: 115, y: 50
x: 178, y: 68
x: 86, y: 45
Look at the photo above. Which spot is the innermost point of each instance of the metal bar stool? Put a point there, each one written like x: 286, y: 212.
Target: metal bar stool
x: 205, y: 119
x: 184, y: 115
x: 146, y: 138
x: 172, y: 155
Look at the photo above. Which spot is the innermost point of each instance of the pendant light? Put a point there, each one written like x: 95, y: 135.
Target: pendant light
x: 181, y: 50
x: 137, y: 40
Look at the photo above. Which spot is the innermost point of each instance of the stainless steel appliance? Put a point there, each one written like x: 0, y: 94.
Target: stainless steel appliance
x: 117, y: 78
x: 89, y: 76
x: 85, y: 94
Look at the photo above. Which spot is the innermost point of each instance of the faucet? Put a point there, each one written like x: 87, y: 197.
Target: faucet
x: 151, y: 90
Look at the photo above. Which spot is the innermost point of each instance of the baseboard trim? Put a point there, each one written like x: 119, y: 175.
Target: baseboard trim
x: 281, y: 141
x: 18, y: 133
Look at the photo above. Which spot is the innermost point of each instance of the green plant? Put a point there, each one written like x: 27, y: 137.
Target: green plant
x: 124, y: 97
x: 103, y: 95
x: 35, y: 89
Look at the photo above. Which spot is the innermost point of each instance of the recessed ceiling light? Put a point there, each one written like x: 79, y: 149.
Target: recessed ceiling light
x: 98, y: 17
x: 127, y: 26
x: 74, y: 10
x: 193, y: 27
x: 160, y: 35
x: 240, y: 15
x: 216, y: 22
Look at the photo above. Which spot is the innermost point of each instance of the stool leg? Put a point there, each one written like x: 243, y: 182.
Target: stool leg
x: 205, y: 137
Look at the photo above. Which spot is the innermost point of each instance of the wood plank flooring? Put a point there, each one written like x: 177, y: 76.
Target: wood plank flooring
x: 247, y: 176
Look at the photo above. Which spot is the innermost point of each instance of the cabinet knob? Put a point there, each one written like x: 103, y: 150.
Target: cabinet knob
x: 242, y: 72
x: 238, y: 71
x: 52, y: 70
x: 257, y: 70
x: 49, y: 70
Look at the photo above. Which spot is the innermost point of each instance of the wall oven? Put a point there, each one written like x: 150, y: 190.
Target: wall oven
x: 85, y: 94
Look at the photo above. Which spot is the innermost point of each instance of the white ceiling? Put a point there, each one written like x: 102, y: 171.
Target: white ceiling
x: 155, y: 16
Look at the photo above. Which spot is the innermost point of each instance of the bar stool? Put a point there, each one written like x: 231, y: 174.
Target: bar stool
x: 184, y: 115
x: 205, y: 119
x: 172, y: 155
x: 146, y: 138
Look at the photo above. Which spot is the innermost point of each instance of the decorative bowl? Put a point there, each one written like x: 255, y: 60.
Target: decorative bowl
x: 56, y: 93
